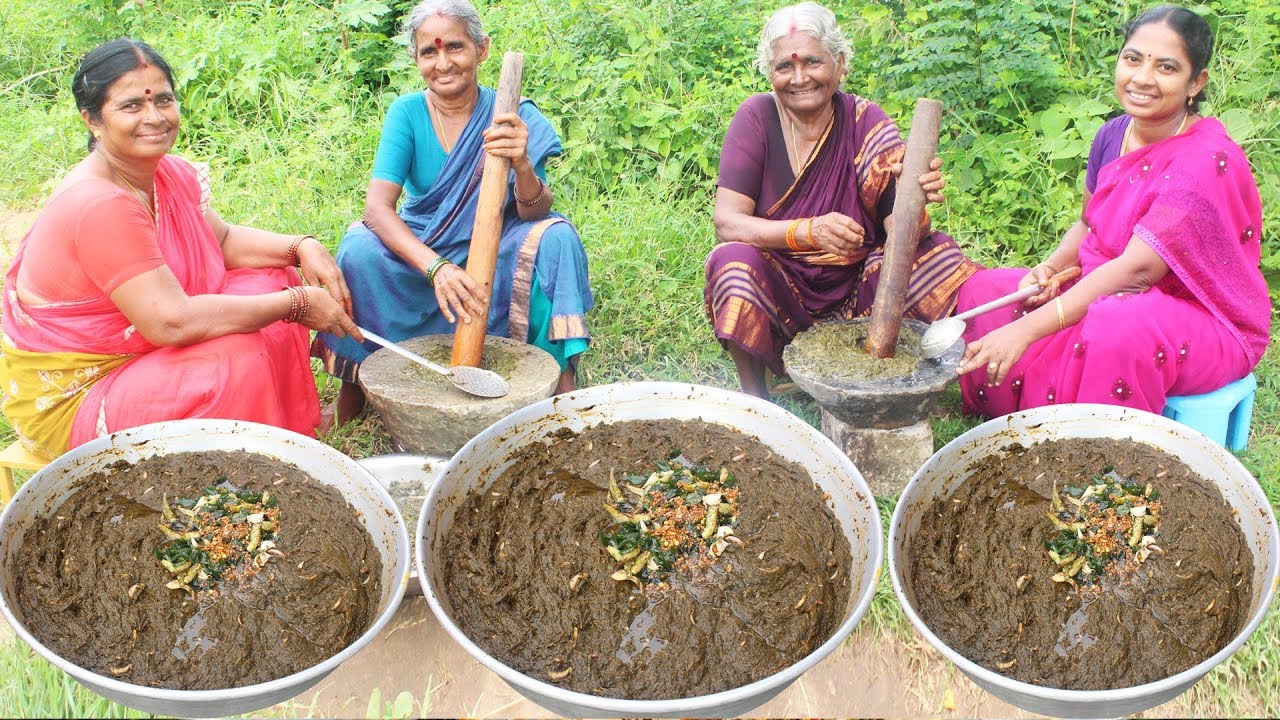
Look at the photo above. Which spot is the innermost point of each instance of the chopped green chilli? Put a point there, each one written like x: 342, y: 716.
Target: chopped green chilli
x: 220, y: 533
x: 679, y: 518
x: 1108, y: 526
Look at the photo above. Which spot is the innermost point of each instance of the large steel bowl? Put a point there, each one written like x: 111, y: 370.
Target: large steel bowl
x: 952, y: 465
x: 482, y: 460
x: 398, y: 470
x: 50, y: 487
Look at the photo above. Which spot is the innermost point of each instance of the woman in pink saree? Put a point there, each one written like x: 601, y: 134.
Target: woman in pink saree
x: 1170, y: 300
x: 131, y: 301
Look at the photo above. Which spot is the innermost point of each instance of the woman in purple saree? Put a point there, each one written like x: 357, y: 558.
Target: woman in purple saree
x: 806, y: 188
x: 1170, y: 300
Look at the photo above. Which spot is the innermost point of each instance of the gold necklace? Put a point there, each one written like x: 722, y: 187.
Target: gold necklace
x: 436, y: 118
x: 146, y: 201
x: 795, y: 146
x: 1128, y: 132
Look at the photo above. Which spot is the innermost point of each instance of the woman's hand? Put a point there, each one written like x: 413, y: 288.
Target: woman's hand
x: 834, y: 232
x: 510, y: 141
x: 325, y: 314
x: 931, y: 182
x: 458, y: 295
x: 1040, y: 275
x: 997, y: 351
x: 319, y: 269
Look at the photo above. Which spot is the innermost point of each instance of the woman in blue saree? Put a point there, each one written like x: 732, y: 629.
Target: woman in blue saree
x: 404, y: 269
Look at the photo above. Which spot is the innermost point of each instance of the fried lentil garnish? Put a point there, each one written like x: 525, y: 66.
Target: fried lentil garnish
x: 679, y: 518
x: 223, y: 533
x: 1105, y: 527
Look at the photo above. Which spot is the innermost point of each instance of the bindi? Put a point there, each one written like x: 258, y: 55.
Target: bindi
x: 795, y: 57
x: 439, y: 43
x: 147, y: 91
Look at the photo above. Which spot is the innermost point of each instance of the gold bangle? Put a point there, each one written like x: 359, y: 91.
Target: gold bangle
x: 291, y: 256
x: 791, y: 234
x: 295, y: 304
x: 1062, y: 315
x: 542, y: 190
x: 808, y: 235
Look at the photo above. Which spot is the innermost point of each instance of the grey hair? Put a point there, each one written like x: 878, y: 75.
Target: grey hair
x: 808, y: 17
x: 459, y: 9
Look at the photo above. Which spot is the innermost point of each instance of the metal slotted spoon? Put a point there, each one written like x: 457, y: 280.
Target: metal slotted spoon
x: 476, y: 381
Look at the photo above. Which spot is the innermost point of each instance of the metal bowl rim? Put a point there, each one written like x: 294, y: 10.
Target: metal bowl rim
x: 764, y: 687
x: 1186, y: 678
x: 303, y: 678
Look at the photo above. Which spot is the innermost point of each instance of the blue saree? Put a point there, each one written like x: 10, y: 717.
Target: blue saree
x: 541, y: 263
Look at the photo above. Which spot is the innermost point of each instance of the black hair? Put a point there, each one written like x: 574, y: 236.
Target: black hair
x: 1197, y: 38
x: 104, y: 65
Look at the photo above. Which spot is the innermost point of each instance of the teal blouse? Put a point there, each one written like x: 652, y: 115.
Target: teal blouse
x: 409, y: 154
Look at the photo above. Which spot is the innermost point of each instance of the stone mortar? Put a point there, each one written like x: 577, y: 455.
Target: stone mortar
x: 882, y: 403
x: 436, y: 418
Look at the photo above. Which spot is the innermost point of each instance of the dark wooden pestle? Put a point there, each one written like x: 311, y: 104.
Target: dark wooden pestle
x: 900, y: 246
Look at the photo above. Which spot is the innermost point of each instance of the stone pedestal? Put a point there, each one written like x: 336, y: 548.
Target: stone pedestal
x: 887, y: 458
x: 426, y: 414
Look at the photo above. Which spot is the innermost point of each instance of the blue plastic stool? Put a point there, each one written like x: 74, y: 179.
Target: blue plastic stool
x: 1223, y: 414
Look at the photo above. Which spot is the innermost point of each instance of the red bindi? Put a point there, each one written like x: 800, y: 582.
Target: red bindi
x: 147, y: 91
x: 439, y: 42
x: 795, y: 56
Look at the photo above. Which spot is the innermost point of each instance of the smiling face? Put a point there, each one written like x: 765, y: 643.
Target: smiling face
x: 1153, y: 74
x: 139, y: 119
x: 447, y: 57
x: 804, y: 75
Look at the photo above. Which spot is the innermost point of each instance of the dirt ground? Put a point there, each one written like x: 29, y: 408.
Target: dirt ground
x: 867, y: 676
x: 862, y: 678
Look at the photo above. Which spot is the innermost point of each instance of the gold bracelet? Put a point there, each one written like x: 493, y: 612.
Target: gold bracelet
x: 808, y: 235
x: 791, y: 234
x: 1062, y: 316
x: 292, y: 255
x: 294, y: 304
x: 542, y: 191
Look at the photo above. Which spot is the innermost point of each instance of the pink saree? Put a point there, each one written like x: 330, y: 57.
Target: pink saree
x: 1193, y: 199
x: 78, y: 370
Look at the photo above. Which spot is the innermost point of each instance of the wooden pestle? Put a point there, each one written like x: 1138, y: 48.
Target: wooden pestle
x: 482, y: 258
x: 900, y: 246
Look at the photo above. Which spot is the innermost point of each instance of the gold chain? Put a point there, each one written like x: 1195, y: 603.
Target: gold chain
x: 439, y: 122
x: 800, y: 163
x: 1128, y: 132
x: 146, y: 201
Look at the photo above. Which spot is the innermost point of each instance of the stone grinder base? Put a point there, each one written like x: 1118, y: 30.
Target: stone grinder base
x: 888, y: 458
x: 426, y: 414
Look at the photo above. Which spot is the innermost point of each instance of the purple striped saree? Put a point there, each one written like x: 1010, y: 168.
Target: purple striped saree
x: 759, y: 299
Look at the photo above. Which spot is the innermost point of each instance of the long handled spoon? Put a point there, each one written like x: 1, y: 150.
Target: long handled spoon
x: 482, y: 383
x: 946, y: 331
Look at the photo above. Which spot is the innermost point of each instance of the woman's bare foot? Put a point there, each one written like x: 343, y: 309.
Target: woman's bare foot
x: 750, y: 373
x: 350, y: 403
x: 568, y: 381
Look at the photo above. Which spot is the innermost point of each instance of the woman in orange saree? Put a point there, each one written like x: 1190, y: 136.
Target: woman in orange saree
x: 130, y: 301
